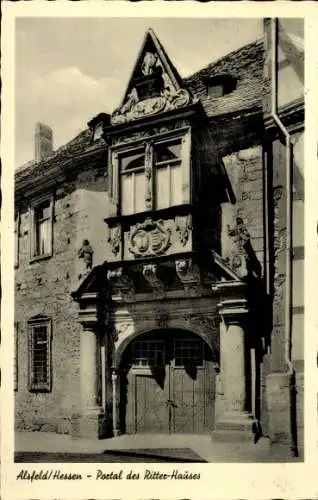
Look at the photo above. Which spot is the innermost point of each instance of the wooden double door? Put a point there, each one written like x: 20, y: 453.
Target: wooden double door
x: 168, y: 385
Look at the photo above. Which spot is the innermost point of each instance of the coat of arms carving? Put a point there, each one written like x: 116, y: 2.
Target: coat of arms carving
x: 149, y: 238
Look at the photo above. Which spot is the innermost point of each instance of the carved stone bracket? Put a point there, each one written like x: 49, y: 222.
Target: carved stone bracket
x: 114, y: 239
x: 183, y: 228
x: 189, y: 275
x: 150, y: 274
x: 121, y: 283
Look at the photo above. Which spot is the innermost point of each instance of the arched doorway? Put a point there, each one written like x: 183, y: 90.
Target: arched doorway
x: 167, y: 384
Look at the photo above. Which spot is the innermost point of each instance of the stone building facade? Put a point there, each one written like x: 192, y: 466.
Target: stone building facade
x: 157, y: 276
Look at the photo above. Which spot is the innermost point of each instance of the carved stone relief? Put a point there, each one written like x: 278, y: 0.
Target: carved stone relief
x: 114, y: 239
x: 240, y: 237
x: 121, y: 283
x: 162, y: 319
x: 183, y: 228
x: 150, y: 274
x: 189, y: 274
x: 148, y: 174
x: 144, y: 134
x: 118, y: 330
x: 150, y: 237
x: 86, y: 253
x: 133, y: 108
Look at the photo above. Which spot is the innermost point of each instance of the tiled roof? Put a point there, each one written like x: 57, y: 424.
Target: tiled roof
x: 244, y: 64
x: 82, y: 142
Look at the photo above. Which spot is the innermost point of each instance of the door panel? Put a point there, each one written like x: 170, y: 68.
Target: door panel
x: 176, y: 397
x: 151, y: 410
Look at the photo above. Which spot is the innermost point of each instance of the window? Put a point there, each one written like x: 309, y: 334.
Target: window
x: 151, y: 176
x: 40, y: 354
x: 188, y: 352
x: 215, y: 91
x: 168, y: 174
x: 220, y: 85
x: 42, y: 220
x: 15, y: 357
x: 148, y: 353
x: 132, y: 173
x: 16, y: 238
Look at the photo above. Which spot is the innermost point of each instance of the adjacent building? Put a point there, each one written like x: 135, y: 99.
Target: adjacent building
x: 159, y: 255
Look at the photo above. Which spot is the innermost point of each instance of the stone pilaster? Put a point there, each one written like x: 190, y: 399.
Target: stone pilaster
x: 235, y: 421
x: 92, y: 413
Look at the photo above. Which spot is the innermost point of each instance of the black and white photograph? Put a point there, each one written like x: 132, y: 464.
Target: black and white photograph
x: 158, y: 244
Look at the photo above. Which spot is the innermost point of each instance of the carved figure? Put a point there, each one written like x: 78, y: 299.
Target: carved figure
x: 132, y: 99
x: 239, y: 232
x: 133, y: 109
x: 86, y: 253
x: 183, y: 228
x: 114, y: 239
x: 149, y: 63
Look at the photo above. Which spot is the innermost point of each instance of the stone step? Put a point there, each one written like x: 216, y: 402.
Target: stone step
x: 233, y: 435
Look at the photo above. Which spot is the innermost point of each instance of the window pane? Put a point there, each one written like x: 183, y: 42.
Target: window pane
x: 44, y: 237
x: 139, y: 191
x: 132, y: 160
x: 40, y: 354
x: 168, y: 151
x: 176, y: 185
x: 162, y: 187
x: 43, y: 211
x: 127, y: 194
x: 188, y: 352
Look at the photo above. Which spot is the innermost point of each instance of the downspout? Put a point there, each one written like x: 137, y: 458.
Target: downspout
x: 289, y: 228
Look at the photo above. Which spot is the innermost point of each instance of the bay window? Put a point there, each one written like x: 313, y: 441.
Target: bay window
x: 151, y: 176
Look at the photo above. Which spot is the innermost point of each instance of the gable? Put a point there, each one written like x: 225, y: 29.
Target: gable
x: 154, y: 86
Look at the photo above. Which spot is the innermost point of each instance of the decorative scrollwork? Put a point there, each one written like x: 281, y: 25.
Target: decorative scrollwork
x: 133, y: 109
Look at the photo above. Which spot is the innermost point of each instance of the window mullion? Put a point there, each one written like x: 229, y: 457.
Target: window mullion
x: 133, y: 189
x: 149, y: 175
x: 169, y: 180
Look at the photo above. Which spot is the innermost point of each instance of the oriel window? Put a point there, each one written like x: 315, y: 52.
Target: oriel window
x: 151, y: 176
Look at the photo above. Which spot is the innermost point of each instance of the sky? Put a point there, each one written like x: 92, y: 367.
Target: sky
x: 67, y: 70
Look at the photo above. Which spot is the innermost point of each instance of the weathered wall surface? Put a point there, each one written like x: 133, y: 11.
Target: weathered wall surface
x: 44, y: 286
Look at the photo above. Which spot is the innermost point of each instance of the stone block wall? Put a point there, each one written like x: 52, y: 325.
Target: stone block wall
x: 245, y: 171
x: 43, y: 287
